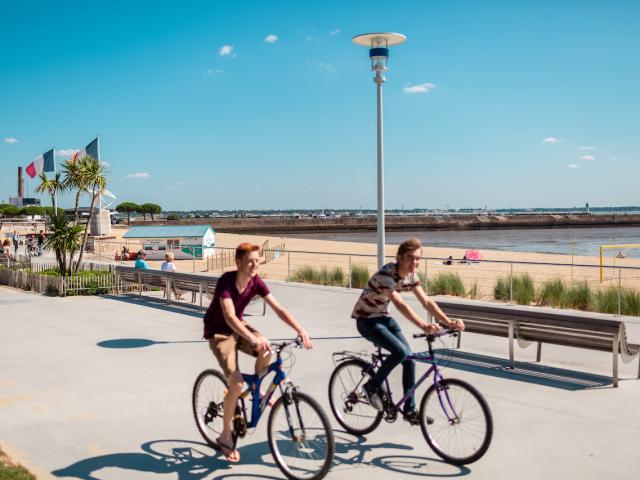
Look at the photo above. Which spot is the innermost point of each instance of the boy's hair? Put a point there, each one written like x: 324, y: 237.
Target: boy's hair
x: 409, y: 246
x: 244, y: 248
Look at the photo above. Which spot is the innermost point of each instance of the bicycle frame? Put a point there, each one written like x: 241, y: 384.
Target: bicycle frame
x: 254, y: 381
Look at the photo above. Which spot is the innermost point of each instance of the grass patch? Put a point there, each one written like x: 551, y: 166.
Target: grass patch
x: 11, y: 471
x: 521, y: 285
x: 321, y: 276
x: 359, y: 276
x: 501, y: 289
x: 579, y: 296
x: 55, y: 272
x: 446, y: 283
x: 552, y: 293
x: 474, y: 291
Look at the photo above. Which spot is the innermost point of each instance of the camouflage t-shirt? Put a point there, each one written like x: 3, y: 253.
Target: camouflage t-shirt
x: 375, y: 298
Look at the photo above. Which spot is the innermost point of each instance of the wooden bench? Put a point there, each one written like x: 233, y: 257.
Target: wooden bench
x: 196, y: 283
x: 527, y: 325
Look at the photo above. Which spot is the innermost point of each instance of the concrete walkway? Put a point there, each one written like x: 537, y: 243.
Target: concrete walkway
x: 78, y: 401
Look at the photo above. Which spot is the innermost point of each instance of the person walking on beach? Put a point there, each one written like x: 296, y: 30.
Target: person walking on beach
x: 16, y: 241
x: 374, y: 323
x: 228, y: 332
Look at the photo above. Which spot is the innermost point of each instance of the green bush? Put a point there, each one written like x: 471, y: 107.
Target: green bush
x: 604, y: 300
x: 579, y: 296
x: 474, y: 291
x: 501, y: 290
x: 359, y: 276
x: 630, y: 302
x: 446, y: 283
x: 51, y: 291
x: 27, y: 287
x: 322, y: 276
x: 553, y: 293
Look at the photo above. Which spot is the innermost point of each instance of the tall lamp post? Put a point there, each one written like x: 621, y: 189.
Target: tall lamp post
x: 378, y: 44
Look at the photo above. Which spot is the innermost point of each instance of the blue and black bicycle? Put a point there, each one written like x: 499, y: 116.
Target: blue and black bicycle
x: 299, y: 432
x: 455, y: 418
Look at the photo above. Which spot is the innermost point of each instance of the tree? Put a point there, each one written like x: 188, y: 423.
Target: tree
x: 173, y: 216
x: 96, y: 184
x: 150, y: 208
x: 128, y: 208
x: 64, y: 240
x: 75, y: 177
x: 51, y: 186
x: 8, y: 210
x: 33, y: 210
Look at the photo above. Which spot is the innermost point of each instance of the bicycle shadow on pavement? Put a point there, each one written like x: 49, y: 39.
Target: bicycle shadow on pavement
x: 523, y: 372
x: 187, y: 459
x: 351, y: 451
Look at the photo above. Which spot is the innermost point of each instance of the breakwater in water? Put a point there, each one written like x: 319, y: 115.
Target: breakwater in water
x: 285, y: 225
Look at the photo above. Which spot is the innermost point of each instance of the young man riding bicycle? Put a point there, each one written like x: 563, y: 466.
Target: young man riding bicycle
x: 227, y: 332
x: 374, y: 323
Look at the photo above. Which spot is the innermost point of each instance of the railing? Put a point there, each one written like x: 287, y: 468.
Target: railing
x: 59, y: 286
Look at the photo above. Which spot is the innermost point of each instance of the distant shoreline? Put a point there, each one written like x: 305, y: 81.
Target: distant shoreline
x: 352, y: 224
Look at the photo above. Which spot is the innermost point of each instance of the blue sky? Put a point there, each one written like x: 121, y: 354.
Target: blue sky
x: 268, y: 104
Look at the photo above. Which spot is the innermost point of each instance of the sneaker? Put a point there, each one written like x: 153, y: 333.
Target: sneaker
x: 413, y: 417
x: 373, y: 397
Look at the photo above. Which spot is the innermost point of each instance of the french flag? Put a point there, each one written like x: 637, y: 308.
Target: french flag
x: 42, y: 163
x: 91, y: 150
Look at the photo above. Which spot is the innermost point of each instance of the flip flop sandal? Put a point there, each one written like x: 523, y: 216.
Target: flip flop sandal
x: 227, y: 451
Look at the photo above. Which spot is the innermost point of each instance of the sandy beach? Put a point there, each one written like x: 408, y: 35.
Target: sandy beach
x: 299, y: 252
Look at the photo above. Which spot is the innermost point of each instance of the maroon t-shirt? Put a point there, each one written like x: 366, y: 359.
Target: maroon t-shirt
x: 214, y: 321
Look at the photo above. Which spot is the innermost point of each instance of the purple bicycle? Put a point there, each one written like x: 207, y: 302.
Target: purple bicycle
x: 454, y: 417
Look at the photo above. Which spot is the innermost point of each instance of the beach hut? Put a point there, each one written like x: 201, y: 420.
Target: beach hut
x: 185, y: 241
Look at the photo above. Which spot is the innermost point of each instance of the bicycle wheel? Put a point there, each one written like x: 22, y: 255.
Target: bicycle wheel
x: 300, y: 437
x: 348, y: 403
x: 208, y: 404
x: 456, y: 421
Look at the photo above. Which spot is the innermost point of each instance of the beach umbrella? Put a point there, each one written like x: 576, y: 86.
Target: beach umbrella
x: 473, y: 255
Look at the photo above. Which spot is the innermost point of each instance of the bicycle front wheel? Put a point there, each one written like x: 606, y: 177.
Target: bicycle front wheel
x: 300, y: 437
x: 456, y: 421
x: 208, y: 404
x: 348, y: 402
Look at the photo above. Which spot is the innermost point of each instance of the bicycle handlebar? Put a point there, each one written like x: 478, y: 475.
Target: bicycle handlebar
x: 279, y: 346
x: 441, y: 333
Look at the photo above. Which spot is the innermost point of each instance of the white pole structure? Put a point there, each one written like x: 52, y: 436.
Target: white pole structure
x: 379, y: 44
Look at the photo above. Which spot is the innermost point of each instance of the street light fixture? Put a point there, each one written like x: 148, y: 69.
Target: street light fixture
x: 379, y: 44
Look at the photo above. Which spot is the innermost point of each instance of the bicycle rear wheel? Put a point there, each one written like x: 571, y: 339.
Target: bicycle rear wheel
x: 456, y: 421
x: 348, y: 402
x: 300, y: 437
x: 207, y: 400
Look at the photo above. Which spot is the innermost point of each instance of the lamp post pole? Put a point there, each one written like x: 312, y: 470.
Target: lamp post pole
x: 379, y: 44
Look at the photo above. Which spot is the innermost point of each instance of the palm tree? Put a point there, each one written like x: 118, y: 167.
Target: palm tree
x: 51, y: 186
x: 63, y: 239
x: 96, y: 183
x: 75, y: 178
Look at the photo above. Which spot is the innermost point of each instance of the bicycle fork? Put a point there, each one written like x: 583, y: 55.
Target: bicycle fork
x: 445, y: 400
x: 288, y: 400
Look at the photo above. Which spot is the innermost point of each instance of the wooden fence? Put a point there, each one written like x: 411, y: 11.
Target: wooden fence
x: 59, y: 286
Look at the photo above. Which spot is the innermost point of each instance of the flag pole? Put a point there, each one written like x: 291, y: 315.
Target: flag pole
x: 99, y: 196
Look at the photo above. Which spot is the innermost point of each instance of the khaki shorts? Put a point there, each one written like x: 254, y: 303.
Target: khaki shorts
x: 225, y: 348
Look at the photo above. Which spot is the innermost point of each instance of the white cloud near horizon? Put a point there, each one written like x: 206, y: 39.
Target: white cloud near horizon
x: 212, y: 71
x: 271, y: 38
x: 573, y: 165
x: 421, y: 88
x: 65, y: 152
x: 11, y: 140
x: 335, y: 32
x: 588, y: 147
x: 226, y: 50
x: 551, y: 140
x: 143, y: 175
x: 588, y: 157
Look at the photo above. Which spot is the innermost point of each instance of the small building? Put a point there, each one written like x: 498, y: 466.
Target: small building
x: 184, y: 241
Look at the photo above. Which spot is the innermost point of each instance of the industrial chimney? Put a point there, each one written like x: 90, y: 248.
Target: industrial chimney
x: 20, y: 183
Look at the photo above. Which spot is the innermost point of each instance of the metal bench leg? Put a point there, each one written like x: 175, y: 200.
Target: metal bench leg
x: 539, y: 352
x: 200, y: 292
x: 511, y: 359
x: 616, y: 348
x: 140, y: 286
x: 168, y: 291
x: 459, y: 340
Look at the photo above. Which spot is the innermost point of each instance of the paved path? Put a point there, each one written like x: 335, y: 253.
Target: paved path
x: 72, y: 407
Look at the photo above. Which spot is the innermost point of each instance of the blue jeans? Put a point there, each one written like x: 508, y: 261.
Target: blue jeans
x: 385, y: 332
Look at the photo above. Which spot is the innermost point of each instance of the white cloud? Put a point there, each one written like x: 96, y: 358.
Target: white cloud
x: 308, y: 37
x: 143, y: 175
x: 551, y: 140
x: 271, y: 38
x: 573, y: 165
x: 327, y: 66
x: 421, y: 88
x: 66, y: 152
x: 226, y: 50
x: 335, y: 32
x: 588, y: 157
x: 105, y: 164
x: 588, y: 147
x: 212, y: 71
x: 11, y: 140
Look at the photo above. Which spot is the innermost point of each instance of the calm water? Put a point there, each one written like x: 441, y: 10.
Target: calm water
x: 555, y: 240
